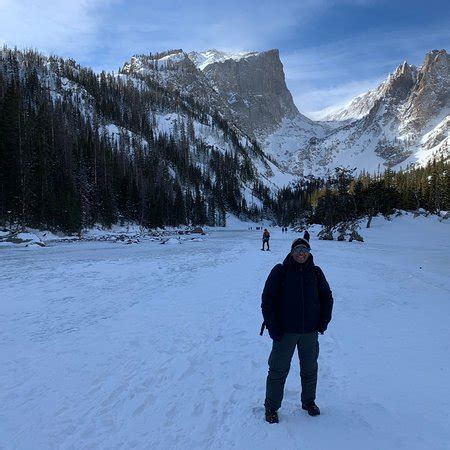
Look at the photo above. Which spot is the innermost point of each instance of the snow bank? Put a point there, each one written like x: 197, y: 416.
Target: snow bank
x: 24, y: 239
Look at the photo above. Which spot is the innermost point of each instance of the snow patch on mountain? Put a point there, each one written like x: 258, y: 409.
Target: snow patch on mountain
x: 175, y: 57
x: 204, y: 59
x: 434, y: 144
x: 273, y: 176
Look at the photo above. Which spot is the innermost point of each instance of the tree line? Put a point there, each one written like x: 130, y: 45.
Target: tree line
x: 345, y: 196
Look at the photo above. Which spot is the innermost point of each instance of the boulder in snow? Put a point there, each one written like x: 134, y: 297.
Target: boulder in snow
x: 355, y: 236
x: 325, y: 235
x: 171, y: 241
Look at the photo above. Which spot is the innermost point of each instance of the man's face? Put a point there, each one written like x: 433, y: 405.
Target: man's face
x: 300, y: 257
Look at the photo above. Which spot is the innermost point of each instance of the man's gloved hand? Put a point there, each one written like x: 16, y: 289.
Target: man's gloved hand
x: 275, y: 334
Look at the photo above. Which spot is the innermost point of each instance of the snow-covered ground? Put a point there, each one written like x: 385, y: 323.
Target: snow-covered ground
x: 154, y: 346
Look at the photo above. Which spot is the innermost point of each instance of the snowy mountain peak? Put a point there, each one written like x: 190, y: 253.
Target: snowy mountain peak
x: 403, y: 121
x: 204, y: 59
x: 430, y: 95
x: 254, y: 86
x: 404, y: 69
x: 397, y: 84
x: 435, y: 57
x: 355, y: 109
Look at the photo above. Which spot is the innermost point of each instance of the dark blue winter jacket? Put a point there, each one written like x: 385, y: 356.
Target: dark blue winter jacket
x: 296, y: 299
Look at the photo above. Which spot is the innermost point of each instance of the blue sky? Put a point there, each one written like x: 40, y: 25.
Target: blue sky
x: 331, y: 50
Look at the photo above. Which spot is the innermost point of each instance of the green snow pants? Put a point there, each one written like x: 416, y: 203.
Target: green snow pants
x: 280, y: 362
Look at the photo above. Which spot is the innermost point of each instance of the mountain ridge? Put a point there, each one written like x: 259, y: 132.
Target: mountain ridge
x: 382, y: 128
x: 393, y: 121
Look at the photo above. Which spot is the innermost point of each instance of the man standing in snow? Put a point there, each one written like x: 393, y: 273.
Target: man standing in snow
x: 296, y: 305
x: 265, y: 239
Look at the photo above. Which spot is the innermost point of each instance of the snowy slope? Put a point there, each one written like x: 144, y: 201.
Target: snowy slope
x: 285, y: 144
x: 155, y: 346
x: 433, y: 144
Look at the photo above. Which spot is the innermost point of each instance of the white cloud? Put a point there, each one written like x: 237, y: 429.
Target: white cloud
x: 65, y: 27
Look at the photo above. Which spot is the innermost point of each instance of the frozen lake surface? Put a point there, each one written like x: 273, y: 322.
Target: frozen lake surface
x: 105, y: 345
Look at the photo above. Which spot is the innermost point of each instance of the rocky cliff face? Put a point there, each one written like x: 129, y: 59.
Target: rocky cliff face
x: 430, y: 94
x: 254, y: 87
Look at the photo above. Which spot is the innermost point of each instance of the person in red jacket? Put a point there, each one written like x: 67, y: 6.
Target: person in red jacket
x: 265, y: 239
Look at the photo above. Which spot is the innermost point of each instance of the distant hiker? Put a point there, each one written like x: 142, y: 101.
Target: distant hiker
x: 265, y: 239
x: 306, y: 235
x: 296, y: 305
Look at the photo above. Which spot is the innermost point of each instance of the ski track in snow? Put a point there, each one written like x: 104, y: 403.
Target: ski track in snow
x: 154, y: 346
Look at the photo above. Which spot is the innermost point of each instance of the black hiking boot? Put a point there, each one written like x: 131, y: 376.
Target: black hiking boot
x: 312, y: 408
x: 271, y: 415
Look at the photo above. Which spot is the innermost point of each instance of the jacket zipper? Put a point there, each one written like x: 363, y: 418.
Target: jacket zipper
x: 303, y: 301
